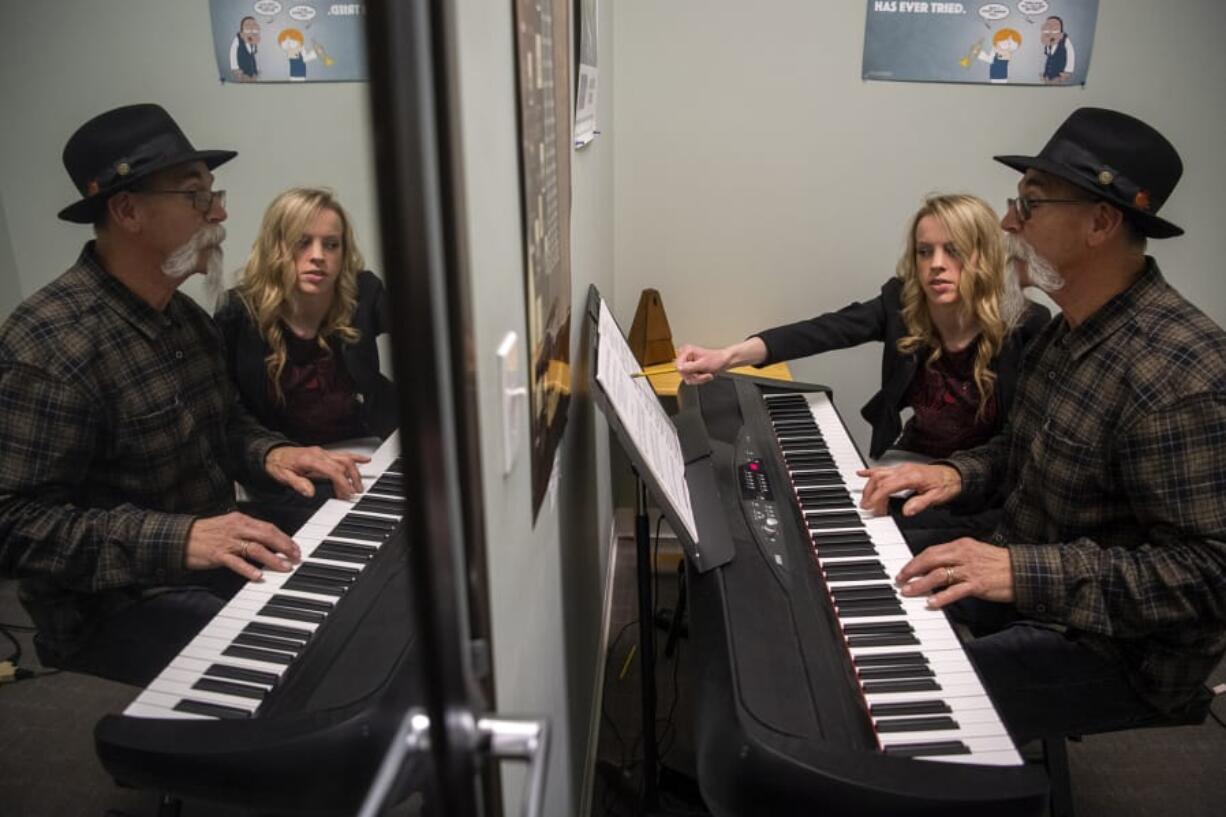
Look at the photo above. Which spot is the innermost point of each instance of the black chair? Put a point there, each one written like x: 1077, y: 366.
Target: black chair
x: 1055, y: 748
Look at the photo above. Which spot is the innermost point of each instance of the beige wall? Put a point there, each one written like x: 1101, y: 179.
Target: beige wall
x: 759, y: 180
x: 547, y: 576
x: 75, y: 59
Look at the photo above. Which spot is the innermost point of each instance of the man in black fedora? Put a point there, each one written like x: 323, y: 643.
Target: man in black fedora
x: 1110, y: 558
x: 122, y: 437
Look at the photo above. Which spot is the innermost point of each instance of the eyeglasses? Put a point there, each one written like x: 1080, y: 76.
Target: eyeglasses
x: 1025, y: 207
x: 202, y: 200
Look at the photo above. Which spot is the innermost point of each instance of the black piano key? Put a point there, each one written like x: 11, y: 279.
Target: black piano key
x: 891, y: 659
x: 331, y: 554
x: 866, y: 628
x: 361, y: 520
x: 940, y: 747
x: 309, y: 585
x: 253, y: 676
x: 213, y: 710
x: 810, y: 503
x: 299, y: 603
x: 891, y: 640
x: 806, y: 491
x: 364, y: 532
x: 916, y: 685
x: 292, y: 633
x: 844, y: 538
x: 257, y: 654
x: 372, y: 504
x: 868, y: 591
x: 866, y: 610
x: 816, y: 478
x: 882, y: 673
x: 833, y: 520
x: 843, y: 551
x: 916, y: 724
x: 933, y: 707
x: 388, y: 487
x: 253, y: 640
x: 349, y: 547
x: 290, y: 614
x: 861, y: 575
x: 230, y: 688
x: 857, y: 567
x: 327, y: 573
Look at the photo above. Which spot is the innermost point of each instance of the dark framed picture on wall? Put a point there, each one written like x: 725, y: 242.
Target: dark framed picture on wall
x: 543, y: 55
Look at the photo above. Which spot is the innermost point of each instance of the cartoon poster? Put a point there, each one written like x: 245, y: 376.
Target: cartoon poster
x: 542, y: 53
x: 1023, y: 42
x: 585, y: 93
x: 289, y: 41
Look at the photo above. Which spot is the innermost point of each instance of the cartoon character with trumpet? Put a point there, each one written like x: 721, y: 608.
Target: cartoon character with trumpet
x: 1005, y: 42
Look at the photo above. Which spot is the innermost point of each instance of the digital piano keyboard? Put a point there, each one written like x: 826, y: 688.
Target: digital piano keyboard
x: 823, y: 691
x: 288, y: 698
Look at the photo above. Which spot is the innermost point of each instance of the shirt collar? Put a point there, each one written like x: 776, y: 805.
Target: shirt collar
x: 1115, y: 313
x: 124, y: 302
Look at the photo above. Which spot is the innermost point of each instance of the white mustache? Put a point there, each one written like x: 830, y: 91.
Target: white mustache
x: 1040, y: 272
x: 185, y: 260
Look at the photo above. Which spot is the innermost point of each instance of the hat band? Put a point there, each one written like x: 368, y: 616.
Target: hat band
x: 1105, y: 177
x: 159, y: 147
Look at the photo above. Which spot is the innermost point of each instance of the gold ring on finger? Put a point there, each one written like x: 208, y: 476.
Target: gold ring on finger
x: 950, y: 577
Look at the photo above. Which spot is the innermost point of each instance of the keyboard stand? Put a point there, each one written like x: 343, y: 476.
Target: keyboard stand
x: 644, y: 570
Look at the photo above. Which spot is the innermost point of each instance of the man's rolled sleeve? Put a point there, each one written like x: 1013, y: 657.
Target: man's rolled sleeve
x: 1038, y: 581
x: 162, y: 547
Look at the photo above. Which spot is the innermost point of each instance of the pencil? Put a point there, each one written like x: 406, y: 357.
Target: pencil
x: 669, y: 370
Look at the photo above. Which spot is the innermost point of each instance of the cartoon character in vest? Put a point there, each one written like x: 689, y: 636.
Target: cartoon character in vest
x: 246, y: 44
x: 1004, y: 43
x: 1060, y: 61
x: 291, y: 42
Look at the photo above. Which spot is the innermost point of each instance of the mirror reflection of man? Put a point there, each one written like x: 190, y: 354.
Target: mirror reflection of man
x: 243, y: 66
x: 122, y: 437
x: 1060, y: 61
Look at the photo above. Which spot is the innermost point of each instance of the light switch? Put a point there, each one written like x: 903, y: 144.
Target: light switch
x: 514, y: 399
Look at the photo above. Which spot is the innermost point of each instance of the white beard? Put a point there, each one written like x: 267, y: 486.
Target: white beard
x: 1039, y: 272
x: 187, y: 259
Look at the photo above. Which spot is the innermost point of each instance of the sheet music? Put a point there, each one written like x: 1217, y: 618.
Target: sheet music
x: 641, y: 414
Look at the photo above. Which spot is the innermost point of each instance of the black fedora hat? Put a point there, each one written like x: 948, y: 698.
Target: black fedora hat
x: 116, y: 149
x: 1116, y: 157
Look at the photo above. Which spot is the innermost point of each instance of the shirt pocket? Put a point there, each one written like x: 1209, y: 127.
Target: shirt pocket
x: 1070, y: 468
x: 155, y: 441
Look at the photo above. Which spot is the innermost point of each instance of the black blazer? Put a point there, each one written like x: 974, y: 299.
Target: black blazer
x: 246, y: 351
x: 881, y: 319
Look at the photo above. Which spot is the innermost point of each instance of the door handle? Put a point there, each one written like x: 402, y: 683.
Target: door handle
x: 496, y: 737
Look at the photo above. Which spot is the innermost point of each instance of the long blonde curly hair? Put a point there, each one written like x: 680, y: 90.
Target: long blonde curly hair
x: 269, y: 279
x: 987, y: 295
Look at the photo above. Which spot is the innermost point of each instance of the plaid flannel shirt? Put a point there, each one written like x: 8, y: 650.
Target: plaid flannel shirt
x: 1114, y: 458
x: 120, y: 427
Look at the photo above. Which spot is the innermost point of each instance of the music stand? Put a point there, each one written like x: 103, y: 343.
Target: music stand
x: 655, y: 469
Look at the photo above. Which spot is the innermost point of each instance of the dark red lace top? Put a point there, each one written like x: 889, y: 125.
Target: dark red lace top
x: 321, y: 401
x: 946, y: 402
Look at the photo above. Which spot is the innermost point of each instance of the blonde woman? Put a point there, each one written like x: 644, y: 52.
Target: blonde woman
x: 300, y: 327
x: 954, y: 324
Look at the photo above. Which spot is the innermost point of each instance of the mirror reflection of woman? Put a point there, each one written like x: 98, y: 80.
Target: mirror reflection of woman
x: 954, y: 324
x: 300, y: 328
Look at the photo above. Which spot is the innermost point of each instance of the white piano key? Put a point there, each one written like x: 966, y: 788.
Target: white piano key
x: 185, y: 691
x: 160, y: 705
x: 986, y: 743
x: 1001, y: 757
